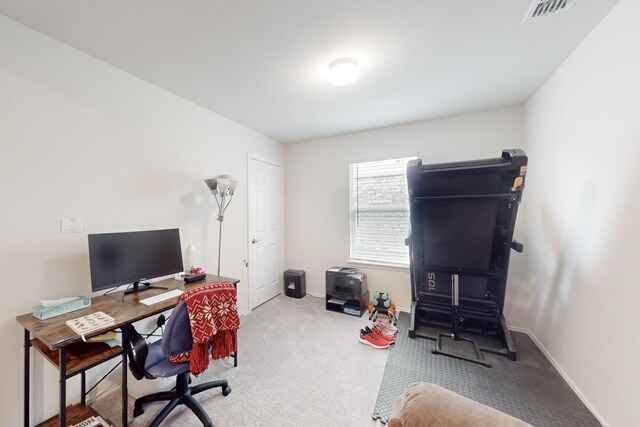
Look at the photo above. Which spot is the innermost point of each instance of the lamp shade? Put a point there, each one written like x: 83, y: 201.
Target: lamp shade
x: 232, y: 186
x: 212, y: 183
x: 221, y: 185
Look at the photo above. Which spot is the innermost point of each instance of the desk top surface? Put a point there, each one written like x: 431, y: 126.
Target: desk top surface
x: 123, y: 308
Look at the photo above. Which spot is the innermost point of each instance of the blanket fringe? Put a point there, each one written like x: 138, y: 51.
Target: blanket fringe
x: 223, y: 344
x: 199, y: 358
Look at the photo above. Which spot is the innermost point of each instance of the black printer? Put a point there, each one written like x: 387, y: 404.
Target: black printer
x: 346, y: 290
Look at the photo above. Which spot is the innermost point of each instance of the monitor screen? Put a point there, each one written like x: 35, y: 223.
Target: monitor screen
x: 121, y: 258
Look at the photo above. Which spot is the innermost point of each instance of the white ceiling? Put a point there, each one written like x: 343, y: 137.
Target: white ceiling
x: 262, y: 63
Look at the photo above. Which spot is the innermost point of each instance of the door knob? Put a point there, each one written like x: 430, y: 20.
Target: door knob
x: 254, y: 241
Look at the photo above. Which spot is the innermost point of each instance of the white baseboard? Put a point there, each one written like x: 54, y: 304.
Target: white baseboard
x: 317, y: 295
x: 563, y: 374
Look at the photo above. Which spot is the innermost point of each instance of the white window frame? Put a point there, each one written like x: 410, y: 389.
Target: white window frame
x: 365, y: 261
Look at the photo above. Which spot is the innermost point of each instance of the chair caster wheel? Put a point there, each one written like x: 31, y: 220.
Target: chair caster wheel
x: 226, y: 390
x: 138, y: 410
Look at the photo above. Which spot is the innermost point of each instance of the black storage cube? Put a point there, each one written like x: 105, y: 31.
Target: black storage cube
x: 294, y: 283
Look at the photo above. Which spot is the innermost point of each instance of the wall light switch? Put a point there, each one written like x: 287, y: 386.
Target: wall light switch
x: 71, y: 225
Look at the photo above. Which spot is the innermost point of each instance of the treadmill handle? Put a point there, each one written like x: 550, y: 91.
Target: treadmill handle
x: 517, y: 246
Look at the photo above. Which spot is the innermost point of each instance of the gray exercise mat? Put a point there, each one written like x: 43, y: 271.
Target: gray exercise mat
x: 529, y: 388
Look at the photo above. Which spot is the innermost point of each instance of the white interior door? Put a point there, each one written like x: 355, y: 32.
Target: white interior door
x: 265, y: 230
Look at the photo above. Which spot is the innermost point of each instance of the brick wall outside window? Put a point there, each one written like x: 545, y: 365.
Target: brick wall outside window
x: 379, y: 211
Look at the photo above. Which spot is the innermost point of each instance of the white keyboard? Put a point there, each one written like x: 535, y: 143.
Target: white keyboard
x: 161, y: 297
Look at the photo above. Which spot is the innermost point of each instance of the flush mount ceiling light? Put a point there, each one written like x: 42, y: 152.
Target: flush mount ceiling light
x: 343, y: 71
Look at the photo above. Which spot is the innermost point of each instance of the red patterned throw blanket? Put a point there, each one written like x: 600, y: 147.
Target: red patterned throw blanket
x: 213, y: 314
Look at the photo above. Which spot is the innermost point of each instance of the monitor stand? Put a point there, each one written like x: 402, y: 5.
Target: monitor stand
x: 137, y: 287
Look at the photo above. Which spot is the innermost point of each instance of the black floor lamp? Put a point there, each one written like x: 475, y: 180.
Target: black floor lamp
x: 222, y: 188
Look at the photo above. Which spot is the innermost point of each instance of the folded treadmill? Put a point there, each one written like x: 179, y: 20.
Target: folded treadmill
x: 462, y: 222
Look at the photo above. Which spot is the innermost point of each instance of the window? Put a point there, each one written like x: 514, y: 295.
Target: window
x: 379, y: 209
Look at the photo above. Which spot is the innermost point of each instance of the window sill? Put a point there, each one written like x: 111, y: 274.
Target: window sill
x: 378, y: 265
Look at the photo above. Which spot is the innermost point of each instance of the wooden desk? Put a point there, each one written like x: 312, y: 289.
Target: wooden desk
x: 73, y: 356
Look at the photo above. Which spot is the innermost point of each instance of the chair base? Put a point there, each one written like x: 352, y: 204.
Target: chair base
x: 182, y: 394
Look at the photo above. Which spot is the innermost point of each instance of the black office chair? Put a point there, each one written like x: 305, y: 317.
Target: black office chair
x: 152, y: 361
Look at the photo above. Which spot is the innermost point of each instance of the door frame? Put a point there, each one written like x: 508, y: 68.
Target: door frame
x: 251, y: 157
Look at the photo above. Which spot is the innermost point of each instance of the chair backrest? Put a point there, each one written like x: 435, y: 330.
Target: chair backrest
x: 177, y: 338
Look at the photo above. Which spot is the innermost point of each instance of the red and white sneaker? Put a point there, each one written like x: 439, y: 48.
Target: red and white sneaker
x: 369, y: 337
x: 390, y: 338
x: 386, y: 328
x: 382, y: 334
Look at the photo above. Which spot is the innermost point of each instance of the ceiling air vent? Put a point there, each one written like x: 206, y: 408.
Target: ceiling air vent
x: 540, y: 8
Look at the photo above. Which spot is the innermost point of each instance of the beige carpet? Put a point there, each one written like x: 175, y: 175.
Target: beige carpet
x: 299, y: 365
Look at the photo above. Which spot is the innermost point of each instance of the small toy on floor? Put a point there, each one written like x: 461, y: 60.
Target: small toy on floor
x: 381, y: 303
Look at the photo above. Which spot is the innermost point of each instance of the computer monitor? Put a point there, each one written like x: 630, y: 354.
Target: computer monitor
x: 131, y: 257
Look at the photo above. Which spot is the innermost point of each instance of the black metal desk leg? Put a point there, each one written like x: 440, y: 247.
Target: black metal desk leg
x: 83, y: 388
x: 125, y: 389
x: 27, y: 376
x: 63, y: 386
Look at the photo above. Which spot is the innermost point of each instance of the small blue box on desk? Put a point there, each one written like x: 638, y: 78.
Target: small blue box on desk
x: 42, y: 312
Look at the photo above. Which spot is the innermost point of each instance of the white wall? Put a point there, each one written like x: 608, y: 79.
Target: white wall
x: 583, y: 139
x: 82, y: 139
x: 317, y: 192
x: 79, y: 138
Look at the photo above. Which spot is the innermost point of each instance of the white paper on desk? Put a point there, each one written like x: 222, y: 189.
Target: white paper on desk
x: 52, y: 302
